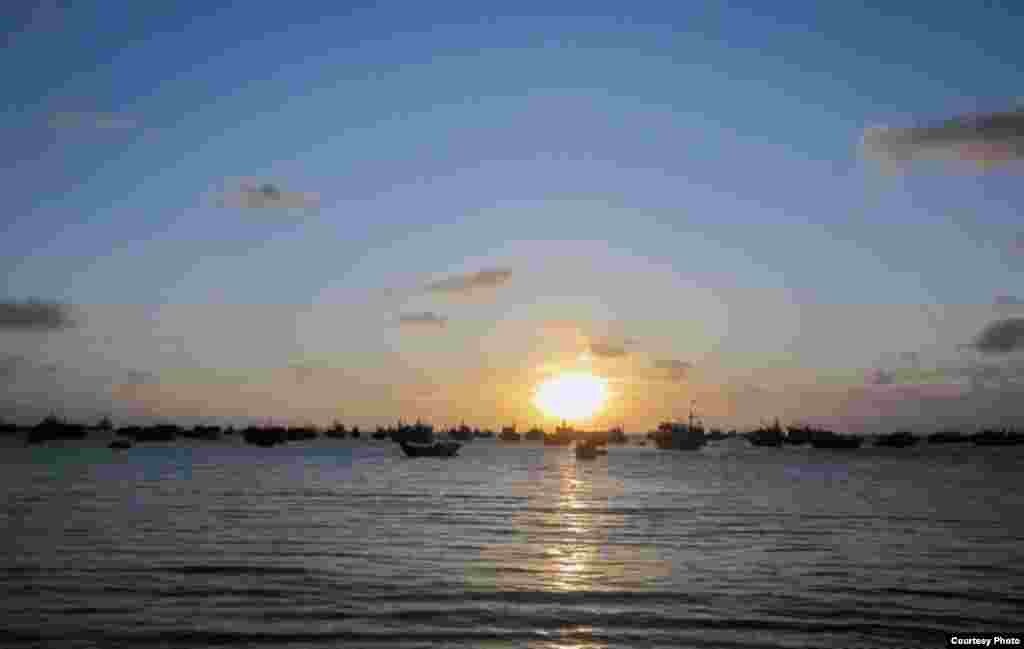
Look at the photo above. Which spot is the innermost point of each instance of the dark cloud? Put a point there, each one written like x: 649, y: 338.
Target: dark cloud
x: 608, y: 350
x: 15, y: 366
x: 1001, y: 337
x: 267, y: 196
x: 425, y: 319
x: 470, y: 282
x: 984, y: 138
x: 34, y: 315
x: 674, y: 370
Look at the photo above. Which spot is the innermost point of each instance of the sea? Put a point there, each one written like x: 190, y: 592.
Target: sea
x: 333, y: 543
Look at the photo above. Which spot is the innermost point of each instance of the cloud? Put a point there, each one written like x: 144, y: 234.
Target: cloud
x: 982, y: 138
x: 34, y: 315
x: 97, y: 121
x: 911, y: 358
x: 14, y: 366
x: 470, y: 282
x: 1001, y: 337
x: 674, y: 370
x: 267, y: 196
x: 607, y: 350
x: 425, y: 319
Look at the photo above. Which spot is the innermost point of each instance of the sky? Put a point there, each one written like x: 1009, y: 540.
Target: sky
x: 366, y: 211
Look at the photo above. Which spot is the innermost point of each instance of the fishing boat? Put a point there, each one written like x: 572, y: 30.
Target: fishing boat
x: 767, y: 435
x: 797, y: 435
x: 535, y: 434
x: 463, y: 433
x: 617, y: 436
x: 437, y: 449
x: 679, y: 436
x: 587, y: 451
x: 563, y: 436
x: 509, y: 434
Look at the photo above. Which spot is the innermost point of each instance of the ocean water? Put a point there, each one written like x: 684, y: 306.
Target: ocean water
x: 330, y: 543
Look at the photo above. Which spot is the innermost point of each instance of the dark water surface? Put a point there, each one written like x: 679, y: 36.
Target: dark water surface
x: 338, y: 544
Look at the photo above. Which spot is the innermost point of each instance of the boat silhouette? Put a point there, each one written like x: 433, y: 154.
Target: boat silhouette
x: 509, y: 434
x: 563, y: 436
x: 437, y: 449
x: 767, y: 435
x: 588, y: 450
x: 535, y: 434
x: 998, y: 438
x: 900, y: 439
x: 828, y: 439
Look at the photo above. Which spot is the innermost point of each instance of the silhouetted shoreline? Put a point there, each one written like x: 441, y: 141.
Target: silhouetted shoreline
x: 668, y: 436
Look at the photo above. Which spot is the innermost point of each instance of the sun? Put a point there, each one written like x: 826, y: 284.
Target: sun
x: 573, y: 395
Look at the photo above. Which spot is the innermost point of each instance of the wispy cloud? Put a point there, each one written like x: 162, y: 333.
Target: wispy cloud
x: 471, y: 282
x: 608, y: 350
x: 425, y: 319
x: 267, y: 196
x: 34, y: 315
x: 91, y: 120
x: 672, y: 369
x: 1001, y: 337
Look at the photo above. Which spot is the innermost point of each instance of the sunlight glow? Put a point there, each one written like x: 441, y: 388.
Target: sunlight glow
x: 571, y: 396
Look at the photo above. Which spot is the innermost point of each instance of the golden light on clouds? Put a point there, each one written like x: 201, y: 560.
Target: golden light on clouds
x: 571, y: 395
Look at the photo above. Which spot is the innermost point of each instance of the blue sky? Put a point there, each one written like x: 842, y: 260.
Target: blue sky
x: 708, y: 151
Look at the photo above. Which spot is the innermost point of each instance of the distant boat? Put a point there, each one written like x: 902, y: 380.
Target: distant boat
x: 463, y: 433
x: 535, y: 435
x: 679, y: 436
x: 947, y: 437
x: 767, y: 435
x: 119, y: 444
x: 617, y: 436
x: 419, y: 433
x: 587, y: 451
x: 835, y: 440
x: 437, y: 449
x: 797, y: 435
x: 563, y: 436
x: 509, y: 434
x: 998, y: 438
x: 897, y: 440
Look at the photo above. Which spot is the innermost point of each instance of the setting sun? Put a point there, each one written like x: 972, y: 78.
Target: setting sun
x: 573, y: 396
